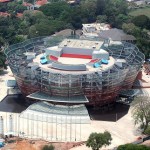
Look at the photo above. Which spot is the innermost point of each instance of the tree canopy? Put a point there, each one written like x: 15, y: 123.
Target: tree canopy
x: 12, y: 7
x: 133, y: 147
x: 2, y: 61
x: 141, y: 111
x: 48, y: 147
x: 142, y: 21
x: 59, y: 15
x: 141, y: 35
x: 97, y: 140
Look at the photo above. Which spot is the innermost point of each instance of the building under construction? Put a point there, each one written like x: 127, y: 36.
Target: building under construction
x: 74, y: 71
x: 68, y: 73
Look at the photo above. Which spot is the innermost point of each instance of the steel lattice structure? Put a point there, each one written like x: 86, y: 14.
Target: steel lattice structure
x: 100, y: 87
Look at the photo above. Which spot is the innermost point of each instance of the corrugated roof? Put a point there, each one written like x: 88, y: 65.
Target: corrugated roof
x: 46, y: 112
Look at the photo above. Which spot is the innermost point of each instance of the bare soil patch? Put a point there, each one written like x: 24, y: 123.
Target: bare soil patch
x: 25, y: 144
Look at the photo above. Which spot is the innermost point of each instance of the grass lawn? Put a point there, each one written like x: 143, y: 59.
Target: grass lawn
x: 141, y: 11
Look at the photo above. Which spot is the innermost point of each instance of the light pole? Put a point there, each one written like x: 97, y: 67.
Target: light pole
x: 116, y: 117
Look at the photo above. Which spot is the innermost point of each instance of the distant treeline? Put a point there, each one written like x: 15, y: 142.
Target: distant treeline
x: 56, y: 16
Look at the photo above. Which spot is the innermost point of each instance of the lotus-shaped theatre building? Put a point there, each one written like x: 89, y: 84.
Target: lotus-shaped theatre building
x: 67, y: 71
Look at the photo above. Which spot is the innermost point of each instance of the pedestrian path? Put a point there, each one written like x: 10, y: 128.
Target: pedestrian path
x: 4, y: 90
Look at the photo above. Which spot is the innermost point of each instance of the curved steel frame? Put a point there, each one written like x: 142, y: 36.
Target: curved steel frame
x: 100, y: 87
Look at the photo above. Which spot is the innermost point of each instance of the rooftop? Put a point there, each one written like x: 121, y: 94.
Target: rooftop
x: 4, y: 14
x: 84, y: 44
x: 74, y: 55
x: 116, y: 35
x: 41, y: 2
x: 71, y: 62
x: 4, y: 1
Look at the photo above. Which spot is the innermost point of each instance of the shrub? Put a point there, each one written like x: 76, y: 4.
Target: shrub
x: 48, y: 147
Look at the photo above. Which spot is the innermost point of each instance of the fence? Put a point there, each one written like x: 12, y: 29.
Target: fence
x: 57, y: 128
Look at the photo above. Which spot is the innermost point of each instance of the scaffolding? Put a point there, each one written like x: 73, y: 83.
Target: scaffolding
x: 100, y: 87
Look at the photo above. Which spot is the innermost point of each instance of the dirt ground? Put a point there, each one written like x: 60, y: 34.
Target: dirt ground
x: 24, y: 144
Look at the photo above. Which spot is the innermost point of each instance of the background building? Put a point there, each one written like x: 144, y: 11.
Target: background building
x: 93, y: 29
x: 116, y: 35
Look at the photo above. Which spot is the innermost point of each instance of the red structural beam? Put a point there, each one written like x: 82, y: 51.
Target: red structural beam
x: 76, y: 56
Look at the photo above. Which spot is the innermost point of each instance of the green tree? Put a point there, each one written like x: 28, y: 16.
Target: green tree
x: 2, y: 42
x: 141, y: 35
x: 15, y: 7
x: 17, y: 39
x: 29, y: 18
x: 2, y: 61
x: 66, y: 16
x: 142, y: 21
x: 30, y: 1
x: 113, y: 9
x: 20, y: 8
x: 143, y: 44
x: 147, y: 131
x: 33, y: 32
x: 88, y: 10
x: 76, y: 18
x: 130, y: 28
x: 44, y: 29
x: 55, y: 9
x: 57, y: 25
x: 38, y: 16
x: 133, y: 147
x: 101, y: 18
x: 141, y: 111
x: 3, y: 7
x: 48, y: 147
x: 97, y: 140
x: 100, y: 7
x: 120, y: 19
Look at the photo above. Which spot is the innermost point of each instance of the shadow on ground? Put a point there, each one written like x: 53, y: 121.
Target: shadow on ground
x: 119, y: 110
x: 3, y: 72
x: 15, y: 104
